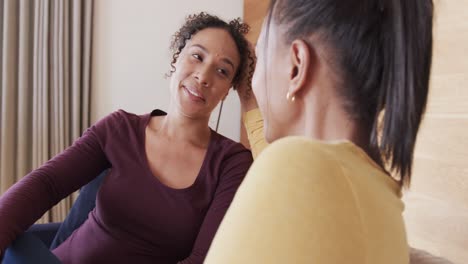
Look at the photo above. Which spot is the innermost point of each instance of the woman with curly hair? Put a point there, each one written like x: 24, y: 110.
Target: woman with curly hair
x: 172, y: 178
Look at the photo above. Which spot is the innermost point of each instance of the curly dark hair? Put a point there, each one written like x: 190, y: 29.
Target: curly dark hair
x: 236, y: 28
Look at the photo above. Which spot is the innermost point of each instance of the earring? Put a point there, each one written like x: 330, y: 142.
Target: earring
x: 289, y: 98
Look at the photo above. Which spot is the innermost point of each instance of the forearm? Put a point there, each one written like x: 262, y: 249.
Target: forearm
x: 252, y: 119
x: 23, y: 204
x: 40, y: 190
x: 253, y: 122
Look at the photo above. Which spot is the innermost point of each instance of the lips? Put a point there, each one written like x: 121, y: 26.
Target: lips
x: 194, y: 92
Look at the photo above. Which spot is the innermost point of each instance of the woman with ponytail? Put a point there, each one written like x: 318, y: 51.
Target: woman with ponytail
x: 341, y: 88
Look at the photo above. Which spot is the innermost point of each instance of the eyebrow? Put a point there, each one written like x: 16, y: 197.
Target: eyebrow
x: 225, y: 60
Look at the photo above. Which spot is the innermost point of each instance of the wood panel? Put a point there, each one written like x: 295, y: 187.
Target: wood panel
x: 254, y: 12
x: 441, y: 160
x: 436, y: 212
x: 437, y: 226
x: 448, y: 96
x: 450, y: 37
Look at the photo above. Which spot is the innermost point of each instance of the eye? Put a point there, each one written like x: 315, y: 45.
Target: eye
x: 223, y: 72
x: 197, y: 56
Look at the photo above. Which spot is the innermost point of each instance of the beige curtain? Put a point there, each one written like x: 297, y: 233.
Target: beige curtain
x: 45, y: 56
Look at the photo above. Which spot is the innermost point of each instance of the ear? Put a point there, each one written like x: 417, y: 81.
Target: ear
x: 301, y: 64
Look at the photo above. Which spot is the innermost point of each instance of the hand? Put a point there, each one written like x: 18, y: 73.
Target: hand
x: 244, y: 88
x: 246, y: 98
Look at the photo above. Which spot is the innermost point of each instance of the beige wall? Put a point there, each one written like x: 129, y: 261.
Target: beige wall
x: 437, y: 207
x: 131, y: 55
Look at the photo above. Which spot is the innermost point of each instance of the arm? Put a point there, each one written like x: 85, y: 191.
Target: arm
x: 233, y: 172
x: 251, y: 116
x: 40, y: 190
x: 253, y: 122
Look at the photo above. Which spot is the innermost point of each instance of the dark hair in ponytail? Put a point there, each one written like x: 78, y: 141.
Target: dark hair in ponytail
x: 382, y: 52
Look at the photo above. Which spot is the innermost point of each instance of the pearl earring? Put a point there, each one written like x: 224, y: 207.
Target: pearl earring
x: 289, y: 98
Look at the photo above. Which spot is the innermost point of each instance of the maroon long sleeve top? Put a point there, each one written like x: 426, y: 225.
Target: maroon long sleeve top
x: 137, y: 219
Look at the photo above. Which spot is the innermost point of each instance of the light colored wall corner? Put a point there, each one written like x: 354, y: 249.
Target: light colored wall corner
x: 131, y: 55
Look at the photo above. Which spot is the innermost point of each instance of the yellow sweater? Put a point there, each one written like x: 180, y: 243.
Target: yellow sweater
x: 305, y: 201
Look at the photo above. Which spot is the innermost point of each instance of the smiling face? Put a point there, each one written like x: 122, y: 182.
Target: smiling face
x: 204, y: 73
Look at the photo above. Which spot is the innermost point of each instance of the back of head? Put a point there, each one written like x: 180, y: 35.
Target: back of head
x: 381, y: 51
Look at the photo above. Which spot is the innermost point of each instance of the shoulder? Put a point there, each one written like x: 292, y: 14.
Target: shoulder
x: 301, y: 172
x: 297, y: 191
x: 117, y: 123
x: 124, y: 118
x: 299, y: 154
x: 297, y: 165
x: 129, y: 119
x: 231, y: 155
x: 117, y: 118
x: 227, y: 147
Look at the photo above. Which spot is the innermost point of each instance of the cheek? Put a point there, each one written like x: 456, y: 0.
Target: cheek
x: 219, y: 89
x: 181, y: 69
x: 270, y: 89
x: 262, y: 87
x: 184, y: 65
x: 258, y: 85
x: 181, y: 72
x: 222, y: 91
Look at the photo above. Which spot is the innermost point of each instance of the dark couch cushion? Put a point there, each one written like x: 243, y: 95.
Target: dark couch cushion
x: 83, y: 205
x: 45, y: 232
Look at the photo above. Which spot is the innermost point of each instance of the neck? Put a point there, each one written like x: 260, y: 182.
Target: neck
x: 177, y: 126
x: 328, y: 121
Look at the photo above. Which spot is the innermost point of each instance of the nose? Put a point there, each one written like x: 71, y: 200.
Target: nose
x: 202, y: 75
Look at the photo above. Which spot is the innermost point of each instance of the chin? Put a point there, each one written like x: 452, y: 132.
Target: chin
x: 193, y: 113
